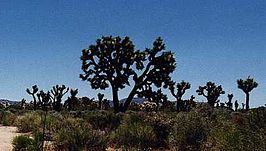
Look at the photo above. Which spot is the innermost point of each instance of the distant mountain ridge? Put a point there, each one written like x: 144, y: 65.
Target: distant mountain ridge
x: 4, y: 101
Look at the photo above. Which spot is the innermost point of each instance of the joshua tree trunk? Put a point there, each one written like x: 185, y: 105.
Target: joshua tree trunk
x: 129, y: 99
x: 115, y: 99
x: 178, y: 104
x: 34, y: 103
x: 247, y: 101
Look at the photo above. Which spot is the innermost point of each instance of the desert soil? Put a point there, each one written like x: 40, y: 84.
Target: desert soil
x: 7, y: 133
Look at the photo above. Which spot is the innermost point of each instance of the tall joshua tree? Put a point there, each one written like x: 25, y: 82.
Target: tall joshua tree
x: 32, y: 93
x: 180, y: 91
x: 112, y: 61
x: 44, y: 100
x: 211, y: 92
x: 247, y: 86
x: 57, y: 94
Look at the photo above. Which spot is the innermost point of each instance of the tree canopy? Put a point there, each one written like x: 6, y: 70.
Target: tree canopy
x: 113, y: 61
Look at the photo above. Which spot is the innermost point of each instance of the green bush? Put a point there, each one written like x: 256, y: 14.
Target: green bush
x: 7, y: 118
x: 137, y: 135
x: 76, y: 134
x: 162, y: 125
x: 103, y: 120
x: 28, y: 122
x: 22, y: 143
x: 189, y: 131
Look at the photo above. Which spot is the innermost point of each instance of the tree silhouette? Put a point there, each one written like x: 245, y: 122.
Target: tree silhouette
x: 180, y: 91
x: 211, y: 92
x: 100, y: 99
x: 44, y: 100
x: 34, y: 91
x: 57, y: 93
x: 72, y: 102
x: 112, y: 61
x: 247, y: 86
x: 229, y: 103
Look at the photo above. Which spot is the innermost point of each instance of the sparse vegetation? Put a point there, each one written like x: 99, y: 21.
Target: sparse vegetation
x: 83, y: 123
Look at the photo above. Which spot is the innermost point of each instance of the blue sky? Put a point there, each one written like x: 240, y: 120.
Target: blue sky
x: 221, y: 41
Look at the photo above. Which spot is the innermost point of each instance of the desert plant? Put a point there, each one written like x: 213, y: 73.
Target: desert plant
x: 138, y: 135
x: 103, y: 120
x: 57, y: 93
x: 7, y: 118
x: 78, y: 135
x: 247, y: 86
x: 112, y: 61
x: 28, y: 122
x: 229, y: 103
x: 34, y: 91
x: 211, y: 92
x: 180, y: 91
x: 189, y: 131
x: 22, y: 143
x: 72, y: 103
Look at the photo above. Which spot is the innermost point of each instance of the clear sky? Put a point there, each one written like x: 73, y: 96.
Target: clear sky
x: 221, y: 41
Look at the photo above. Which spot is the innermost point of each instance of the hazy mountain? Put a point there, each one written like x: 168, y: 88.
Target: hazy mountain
x: 4, y: 101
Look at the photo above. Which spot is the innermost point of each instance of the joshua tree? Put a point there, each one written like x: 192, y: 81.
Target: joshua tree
x: 180, y: 91
x: 57, y: 94
x: 211, y: 92
x: 44, y: 99
x: 247, y: 86
x: 34, y: 91
x: 112, y: 61
x: 72, y: 102
x: 229, y: 103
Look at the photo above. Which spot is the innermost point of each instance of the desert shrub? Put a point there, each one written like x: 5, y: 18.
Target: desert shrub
x: 162, y: 125
x: 7, y: 118
x: 138, y: 135
x: 190, y: 130
x: 257, y: 118
x: 22, y: 143
x: 75, y: 134
x: 103, y: 120
x: 232, y: 131
x: 28, y: 122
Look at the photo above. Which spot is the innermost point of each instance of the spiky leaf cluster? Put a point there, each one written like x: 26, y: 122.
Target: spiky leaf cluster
x: 180, y: 89
x: 34, y: 90
x: 247, y: 85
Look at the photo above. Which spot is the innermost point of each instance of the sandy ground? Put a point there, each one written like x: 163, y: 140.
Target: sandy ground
x: 7, y: 133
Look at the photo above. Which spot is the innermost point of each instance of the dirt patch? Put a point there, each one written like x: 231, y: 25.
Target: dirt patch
x: 7, y: 133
